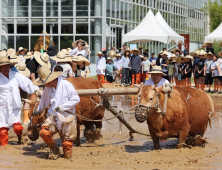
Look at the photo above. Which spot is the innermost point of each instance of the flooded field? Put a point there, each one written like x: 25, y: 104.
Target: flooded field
x: 117, y: 152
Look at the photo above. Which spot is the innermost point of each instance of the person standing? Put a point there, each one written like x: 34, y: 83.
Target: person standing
x: 170, y: 69
x: 219, y: 67
x: 21, y: 53
x: 195, y: 72
x: 164, y: 65
x: 122, y: 52
x: 10, y: 101
x: 209, y: 47
x: 152, y: 60
x: 110, y: 68
x: 141, y: 50
x: 125, y: 62
x: 159, y: 59
x: 200, y: 70
x: 101, y: 67
x: 182, y: 68
x: 188, y: 70
x: 117, y: 63
x: 145, y: 69
x: 207, y: 71
x: 135, y: 65
x: 146, y: 53
x: 215, y: 73
x: 80, y: 47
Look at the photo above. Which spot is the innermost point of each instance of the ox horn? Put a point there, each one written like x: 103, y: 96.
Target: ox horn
x: 27, y: 101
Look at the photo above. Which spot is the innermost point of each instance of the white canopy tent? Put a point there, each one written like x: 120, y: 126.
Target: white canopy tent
x: 215, y: 35
x: 149, y: 30
x: 178, y: 38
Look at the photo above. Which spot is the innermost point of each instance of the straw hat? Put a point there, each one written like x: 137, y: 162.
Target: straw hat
x: 21, y: 49
x: 168, y: 60
x: 46, y: 76
x: 124, y: 52
x: 83, y: 60
x: 209, y: 43
x: 28, y: 55
x: 189, y: 57
x: 3, y: 54
x: 140, y: 47
x: 74, y: 44
x: 157, y: 69
x: 11, y: 51
x: 204, y: 45
x: 135, y: 49
x: 42, y: 59
x: 164, y: 53
x: 173, y: 56
x: 64, y: 51
x: 220, y: 54
x: 99, y: 53
x: 61, y: 57
x: 21, y: 67
x: 14, y: 58
x: 74, y: 58
x: 112, y: 54
x: 180, y: 58
x: 208, y: 54
x: 201, y: 53
x: 141, y: 56
x: 176, y: 49
x: 4, y: 61
x: 109, y: 58
x: 118, y: 55
x: 160, y: 53
x: 69, y: 49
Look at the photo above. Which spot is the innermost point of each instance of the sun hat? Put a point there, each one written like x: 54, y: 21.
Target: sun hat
x: 69, y: 49
x: 21, y: 49
x: 177, y: 49
x: 135, y: 49
x: 189, y: 57
x: 201, y: 53
x: 220, y: 54
x: 61, y: 57
x: 74, y: 58
x: 11, y: 51
x: 28, y: 55
x: 140, y: 47
x: 204, y: 45
x: 157, y: 69
x: 65, y: 51
x: 82, y: 60
x: 118, y: 55
x: 206, y: 55
x: 168, y: 60
x: 141, y: 56
x: 3, y: 54
x: 164, y: 53
x: 4, y: 61
x: 109, y: 58
x: 21, y: 67
x: 112, y: 54
x: 99, y: 53
x: 46, y: 76
x: 173, y: 56
x: 180, y: 58
x: 209, y: 43
x: 14, y: 58
x: 42, y: 59
x: 124, y: 52
x: 74, y: 44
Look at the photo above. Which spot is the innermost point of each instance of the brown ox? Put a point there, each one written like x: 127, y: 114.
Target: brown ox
x: 187, y: 113
x: 86, y: 107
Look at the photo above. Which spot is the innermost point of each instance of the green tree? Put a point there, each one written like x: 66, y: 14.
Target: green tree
x: 213, y: 9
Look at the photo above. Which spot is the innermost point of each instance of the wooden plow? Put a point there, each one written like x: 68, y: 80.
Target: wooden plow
x: 104, y: 93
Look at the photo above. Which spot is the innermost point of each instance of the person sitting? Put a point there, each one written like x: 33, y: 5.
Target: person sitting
x: 110, y: 68
x: 62, y: 98
x: 156, y: 77
x: 10, y: 100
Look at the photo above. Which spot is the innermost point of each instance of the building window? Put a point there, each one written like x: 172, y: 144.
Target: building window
x: 51, y: 8
x: 66, y: 8
x: 81, y: 7
x: 37, y: 8
x: 22, y: 8
x: 7, y: 8
x: 7, y: 42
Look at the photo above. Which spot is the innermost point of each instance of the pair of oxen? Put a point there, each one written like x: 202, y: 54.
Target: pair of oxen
x: 188, y: 113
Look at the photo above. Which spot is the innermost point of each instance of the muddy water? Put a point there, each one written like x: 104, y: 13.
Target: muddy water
x: 117, y: 152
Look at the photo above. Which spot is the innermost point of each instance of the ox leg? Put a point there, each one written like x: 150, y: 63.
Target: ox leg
x: 77, y: 141
x: 155, y: 140
x: 182, y: 139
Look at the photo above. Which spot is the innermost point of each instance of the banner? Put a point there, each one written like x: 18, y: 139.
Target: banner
x: 186, y: 42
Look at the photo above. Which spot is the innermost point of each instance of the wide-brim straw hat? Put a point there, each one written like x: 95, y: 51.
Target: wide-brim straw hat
x: 74, y: 58
x: 46, y: 76
x: 109, y: 58
x: 165, y: 53
x: 64, y: 51
x: 3, y: 54
x: 14, y: 58
x: 157, y: 69
x: 220, y: 54
x: 11, y: 51
x: 160, y: 53
x: 21, y: 67
x: 208, y: 54
x: 82, y: 60
x: 124, y: 52
x: 99, y: 53
x: 168, y: 60
x: 28, y: 55
x: 118, y: 55
x: 180, y: 58
x: 74, y: 67
x: 173, y: 56
x: 140, y: 47
x: 135, y: 49
x: 21, y: 49
x: 74, y: 44
x: 204, y: 45
x: 189, y: 57
x: 209, y: 43
x: 4, y: 61
x: 42, y: 59
x: 112, y: 54
x: 61, y: 57
x: 201, y: 53
x: 177, y: 49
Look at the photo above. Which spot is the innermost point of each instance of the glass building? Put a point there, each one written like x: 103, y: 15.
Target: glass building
x: 40, y: 23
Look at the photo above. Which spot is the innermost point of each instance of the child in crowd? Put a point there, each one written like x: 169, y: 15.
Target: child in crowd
x: 215, y: 74
x: 170, y: 69
x: 219, y: 67
x: 182, y: 68
x: 81, y: 70
x: 200, y: 70
x: 188, y: 70
x: 207, y: 71
x: 110, y: 68
x: 145, y: 69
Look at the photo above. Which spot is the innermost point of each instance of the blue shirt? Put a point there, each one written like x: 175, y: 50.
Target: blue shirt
x: 125, y: 62
x: 109, y: 68
x: 151, y: 59
x: 13, y: 68
x: 195, y: 62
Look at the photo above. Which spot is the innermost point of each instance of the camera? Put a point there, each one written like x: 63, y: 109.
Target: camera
x: 83, y: 43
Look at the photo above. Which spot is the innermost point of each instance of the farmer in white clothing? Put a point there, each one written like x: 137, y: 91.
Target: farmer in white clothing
x: 63, y: 98
x: 101, y: 67
x: 156, y: 77
x: 80, y: 47
x: 10, y: 100
x: 118, y: 62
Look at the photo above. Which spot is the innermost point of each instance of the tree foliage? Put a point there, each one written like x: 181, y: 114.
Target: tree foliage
x: 213, y: 9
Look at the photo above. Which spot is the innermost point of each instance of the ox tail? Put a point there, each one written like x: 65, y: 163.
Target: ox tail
x: 209, y: 119
x: 212, y: 111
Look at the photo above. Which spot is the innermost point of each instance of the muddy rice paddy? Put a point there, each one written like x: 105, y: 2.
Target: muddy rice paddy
x: 117, y: 152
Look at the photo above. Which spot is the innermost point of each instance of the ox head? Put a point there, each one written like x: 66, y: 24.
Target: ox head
x: 35, y: 121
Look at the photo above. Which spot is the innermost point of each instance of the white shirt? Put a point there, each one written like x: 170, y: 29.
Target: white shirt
x: 101, y: 65
x: 117, y: 63
x: 162, y: 81
x: 64, y: 96
x: 67, y: 69
x: 77, y: 52
x: 219, y: 65
x: 213, y: 66
x: 10, y: 98
x: 22, y: 60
